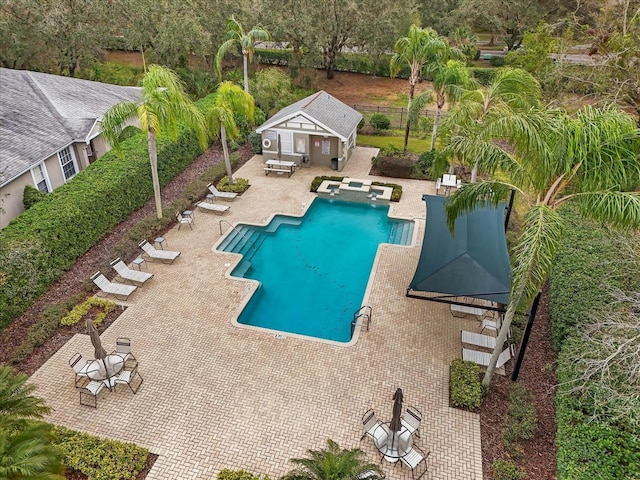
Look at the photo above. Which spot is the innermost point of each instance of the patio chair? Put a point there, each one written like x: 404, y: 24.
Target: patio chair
x: 229, y: 196
x: 370, y: 422
x: 166, y: 256
x: 213, y: 207
x: 123, y: 348
x: 91, y: 391
x: 411, y: 420
x: 136, y: 277
x: 371, y: 475
x: 478, y: 340
x: 184, y: 220
x: 413, y: 459
x: 483, y: 358
x: 79, y: 366
x: 118, y: 290
x: 127, y: 376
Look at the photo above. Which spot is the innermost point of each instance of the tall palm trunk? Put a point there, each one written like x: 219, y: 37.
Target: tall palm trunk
x: 434, y: 133
x: 153, y: 157
x: 474, y: 173
x: 245, y: 66
x: 225, y: 149
x: 412, y: 89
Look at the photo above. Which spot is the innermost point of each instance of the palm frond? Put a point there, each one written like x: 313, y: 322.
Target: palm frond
x: 114, y: 121
x: 618, y: 209
x: 536, y: 247
x: 471, y: 195
x: 226, y: 47
x: 15, y: 396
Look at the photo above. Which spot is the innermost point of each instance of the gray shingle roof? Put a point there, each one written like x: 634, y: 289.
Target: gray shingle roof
x: 41, y: 113
x: 324, y: 109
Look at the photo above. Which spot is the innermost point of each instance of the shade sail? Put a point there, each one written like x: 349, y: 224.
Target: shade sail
x: 473, y: 263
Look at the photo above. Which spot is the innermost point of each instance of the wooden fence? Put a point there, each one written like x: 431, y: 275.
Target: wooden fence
x: 397, y: 115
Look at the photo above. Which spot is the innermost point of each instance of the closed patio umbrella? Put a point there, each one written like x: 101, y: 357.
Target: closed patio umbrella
x: 397, y: 411
x: 279, y: 148
x: 99, y: 351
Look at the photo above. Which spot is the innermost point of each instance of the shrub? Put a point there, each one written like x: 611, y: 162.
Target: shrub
x: 240, y: 185
x: 255, y: 141
x: 79, y: 311
x: 423, y: 165
x: 97, y: 458
x: 497, y: 61
x: 361, y: 124
x: 507, y: 470
x: 521, y: 420
x: 396, y: 193
x: 483, y: 75
x: 465, y: 390
x: 380, y: 121
x: 399, y: 167
x: 31, y: 196
x: 315, y: 183
x: 227, y: 474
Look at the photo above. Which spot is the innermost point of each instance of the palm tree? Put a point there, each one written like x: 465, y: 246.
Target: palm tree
x: 164, y: 107
x: 229, y: 99
x: 332, y: 463
x: 450, y: 79
x: 418, y: 48
x: 25, y: 449
x: 235, y: 35
x: 590, y: 160
x: 496, y: 112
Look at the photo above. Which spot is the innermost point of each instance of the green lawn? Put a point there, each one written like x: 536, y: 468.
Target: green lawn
x: 416, y: 145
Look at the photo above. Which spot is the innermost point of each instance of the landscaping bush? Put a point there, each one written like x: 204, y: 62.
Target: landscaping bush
x: 483, y: 75
x: 43, y: 242
x: 396, y: 193
x: 507, y: 470
x: 380, y: 121
x: 315, y: 183
x: 422, y: 167
x: 240, y: 185
x: 227, y: 474
x: 521, y: 420
x: 254, y: 139
x: 398, y: 167
x: 79, y: 311
x: 497, y: 61
x: 31, y: 196
x: 97, y: 458
x: 465, y: 390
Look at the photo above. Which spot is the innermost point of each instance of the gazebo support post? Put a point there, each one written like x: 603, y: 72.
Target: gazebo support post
x: 525, y: 337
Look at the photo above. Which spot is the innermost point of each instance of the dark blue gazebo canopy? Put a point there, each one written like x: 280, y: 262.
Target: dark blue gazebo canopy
x: 474, y: 262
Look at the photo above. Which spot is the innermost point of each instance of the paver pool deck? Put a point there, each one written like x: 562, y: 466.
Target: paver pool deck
x: 216, y: 395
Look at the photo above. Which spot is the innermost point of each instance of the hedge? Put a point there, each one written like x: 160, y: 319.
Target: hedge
x: 588, y: 448
x: 465, y: 390
x: 37, y: 247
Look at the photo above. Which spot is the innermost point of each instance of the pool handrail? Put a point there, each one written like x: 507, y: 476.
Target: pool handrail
x: 236, y: 230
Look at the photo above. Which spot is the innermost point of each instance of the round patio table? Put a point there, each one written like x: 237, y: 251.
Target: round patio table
x: 103, y: 370
x: 392, y: 445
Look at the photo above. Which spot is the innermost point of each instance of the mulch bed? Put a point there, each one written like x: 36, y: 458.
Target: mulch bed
x: 537, y: 371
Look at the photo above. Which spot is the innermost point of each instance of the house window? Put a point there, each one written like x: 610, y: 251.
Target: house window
x: 40, y: 179
x: 301, y: 145
x: 67, y: 163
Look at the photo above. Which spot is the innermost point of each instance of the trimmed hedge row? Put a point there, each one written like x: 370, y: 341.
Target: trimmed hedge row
x: 37, y: 247
x: 587, y: 448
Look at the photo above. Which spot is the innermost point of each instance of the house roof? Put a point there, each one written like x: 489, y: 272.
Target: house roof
x: 40, y: 114
x: 323, y: 109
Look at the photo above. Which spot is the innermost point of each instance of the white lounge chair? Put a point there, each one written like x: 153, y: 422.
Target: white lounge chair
x: 118, y: 290
x: 478, y: 340
x: 134, y: 276
x: 218, y: 194
x: 166, y: 256
x: 213, y: 207
x: 182, y: 220
x: 483, y: 358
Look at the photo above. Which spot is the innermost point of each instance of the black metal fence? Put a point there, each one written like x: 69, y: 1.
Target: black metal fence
x: 397, y: 115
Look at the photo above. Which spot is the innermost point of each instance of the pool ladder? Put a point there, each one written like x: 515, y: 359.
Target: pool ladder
x: 363, y: 312
x: 253, y: 247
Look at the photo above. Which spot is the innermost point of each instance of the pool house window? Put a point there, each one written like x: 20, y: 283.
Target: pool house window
x: 40, y: 178
x: 67, y: 162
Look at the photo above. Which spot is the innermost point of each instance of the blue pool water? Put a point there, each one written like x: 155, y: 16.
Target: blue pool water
x: 313, y: 270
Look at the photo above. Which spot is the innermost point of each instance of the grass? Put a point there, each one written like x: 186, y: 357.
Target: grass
x: 416, y: 145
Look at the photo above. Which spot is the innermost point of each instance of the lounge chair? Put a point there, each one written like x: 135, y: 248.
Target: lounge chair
x: 218, y: 194
x: 478, y: 340
x: 134, y: 276
x: 118, y: 290
x: 483, y: 358
x: 213, y: 207
x: 165, y: 256
x: 182, y: 220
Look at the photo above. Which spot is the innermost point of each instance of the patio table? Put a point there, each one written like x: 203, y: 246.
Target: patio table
x: 392, y: 445
x: 103, y: 370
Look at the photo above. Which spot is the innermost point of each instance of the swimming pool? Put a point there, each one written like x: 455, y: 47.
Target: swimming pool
x: 313, y: 270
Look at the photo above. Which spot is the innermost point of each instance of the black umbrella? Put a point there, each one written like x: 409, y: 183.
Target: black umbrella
x: 100, y: 352
x: 397, y: 411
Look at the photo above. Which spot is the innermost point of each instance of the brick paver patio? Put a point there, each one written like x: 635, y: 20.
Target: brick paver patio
x: 216, y: 395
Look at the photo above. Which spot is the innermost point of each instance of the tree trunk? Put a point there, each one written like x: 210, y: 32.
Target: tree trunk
x: 225, y: 149
x: 474, y: 173
x: 153, y: 158
x: 245, y: 66
x: 434, y: 133
x: 412, y: 87
x: 330, y: 64
x: 502, y: 337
